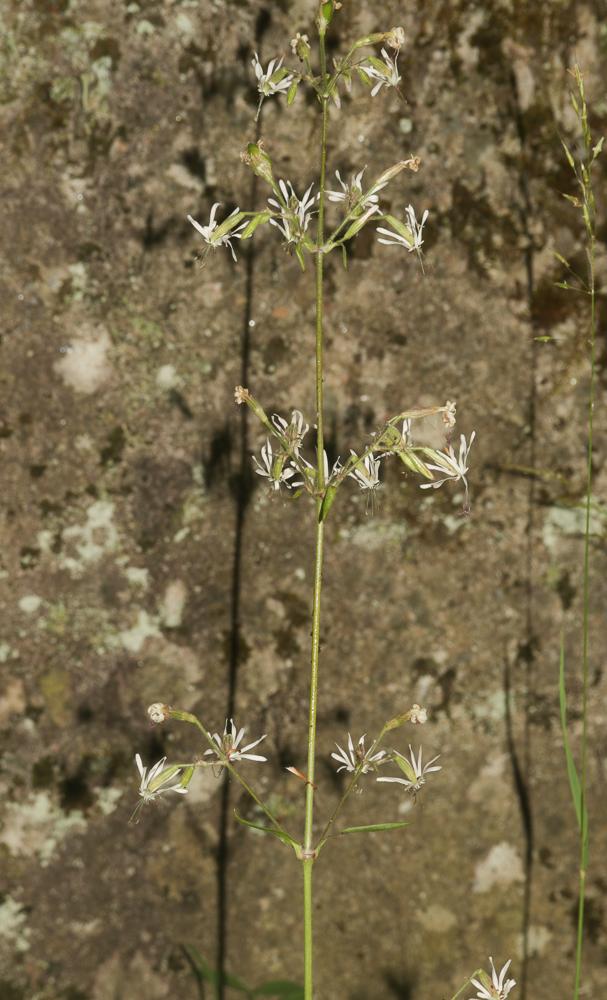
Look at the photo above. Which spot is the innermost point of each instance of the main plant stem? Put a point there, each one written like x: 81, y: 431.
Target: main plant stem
x: 585, y: 634
x: 308, y: 849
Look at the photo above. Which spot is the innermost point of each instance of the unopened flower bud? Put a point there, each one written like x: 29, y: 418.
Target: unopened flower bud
x: 395, y: 38
x: 256, y: 157
x: 158, y: 712
x: 418, y: 715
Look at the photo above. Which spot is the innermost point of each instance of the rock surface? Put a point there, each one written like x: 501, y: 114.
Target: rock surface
x: 123, y: 471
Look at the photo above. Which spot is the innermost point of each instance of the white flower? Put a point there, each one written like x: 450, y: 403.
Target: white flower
x: 414, y: 769
x: 450, y: 466
x: 353, y: 758
x: 222, y: 240
x: 415, y: 227
x: 367, y: 475
x: 156, y: 781
x: 449, y: 413
x: 337, y: 467
x: 273, y: 468
x: 388, y: 76
x: 396, y: 38
x: 295, y: 214
x: 418, y: 715
x: 275, y: 80
x: 352, y: 193
x: 500, y: 986
x: 230, y: 741
x: 328, y: 476
x: 158, y: 712
x: 300, y: 45
x: 295, y: 432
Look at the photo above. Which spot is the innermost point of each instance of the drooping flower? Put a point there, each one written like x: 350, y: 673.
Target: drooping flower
x: 414, y: 228
x: 216, y: 235
x: 295, y: 213
x: 418, y: 715
x: 367, y: 474
x: 414, y: 770
x: 272, y: 468
x: 300, y: 46
x: 295, y: 431
x: 158, y: 712
x: 352, y: 193
x: 451, y: 466
x: 275, y: 79
x: 230, y: 741
x: 500, y: 986
x: 449, y: 413
x: 396, y: 38
x: 155, y: 782
x: 352, y: 758
x: 386, y: 76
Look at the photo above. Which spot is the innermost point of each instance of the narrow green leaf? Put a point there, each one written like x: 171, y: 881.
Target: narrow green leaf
x: 300, y: 257
x: 560, y: 257
x: 280, y: 834
x: 373, y: 828
x: 574, y: 781
x: 344, y: 257
x: 208, y: 975
x: 570, y: 159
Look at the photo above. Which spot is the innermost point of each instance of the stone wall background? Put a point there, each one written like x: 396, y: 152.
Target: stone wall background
x: 122, y: 470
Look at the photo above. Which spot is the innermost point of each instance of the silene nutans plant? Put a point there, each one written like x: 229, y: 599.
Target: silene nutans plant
x: 312, y: 224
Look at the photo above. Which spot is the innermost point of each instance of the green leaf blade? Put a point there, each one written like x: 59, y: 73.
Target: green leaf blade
x: 373, y: 828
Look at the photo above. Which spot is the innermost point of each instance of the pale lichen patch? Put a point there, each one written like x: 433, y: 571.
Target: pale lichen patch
x: 93, y: 540
x: 146, y: 627
x: 12, y: 924
x: 85, y: 367
x: 501, y: 867
x: 173, y: 603
x: 35, y: 827
x: 30, y: 603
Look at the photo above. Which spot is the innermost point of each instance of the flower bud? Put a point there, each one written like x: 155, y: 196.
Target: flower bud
x: 395, y: 38
x: 158, y: 712
x: 256, y: 158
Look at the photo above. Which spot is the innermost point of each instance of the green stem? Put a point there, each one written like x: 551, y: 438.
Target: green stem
x: 308, y: 850
x: 589, y: 221
x: 585, y: 636
x: 308, y: 944
x: 466, y: 984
